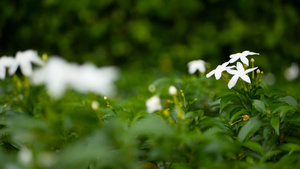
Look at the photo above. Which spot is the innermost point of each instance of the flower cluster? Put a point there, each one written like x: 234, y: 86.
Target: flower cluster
x: 58, y: 75
x: 239, y: 72
x: 23, y: 59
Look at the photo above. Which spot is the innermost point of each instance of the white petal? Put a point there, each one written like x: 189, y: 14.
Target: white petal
x: 250, y: 70
x: 192, y: 69
x: 26, y: 68
x: 245, y: 78
x: 225, y: 64
x: 233, y: 81
x: 13, y: 69
x: 246, y: 53
x: 210, y: 73
x: 218, y: 75
x: 232, y: 60
x: 2, y: 72
x: 245, y: 60
x: 239, y: 67
x: 233, y: 72
x: 236, y: 55
x: 36, y: 59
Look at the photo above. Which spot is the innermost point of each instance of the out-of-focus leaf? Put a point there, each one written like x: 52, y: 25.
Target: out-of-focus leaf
x: 254, y: 146
x: 241, y: 112
x: 226, y: 99
x: 284, y: 109
x: 291, y: 147
x: 197, y: 114
x: 275, y: 124
x: 289, y: 100
x: 152, y: 125
x: 249, y: 129
x: 269, y: 155
x: 149, y: 165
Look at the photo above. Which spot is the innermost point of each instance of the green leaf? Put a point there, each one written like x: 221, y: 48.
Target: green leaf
x: 284, y: 109
x: 254, y: 146
x: 268, y: 155
x: 249, y: 129
x: 234, y: 117
x: 226, y: 100
x: 290, y: 147
x: 259, y: 106
x: 289, y: 100
x: 275, y: 124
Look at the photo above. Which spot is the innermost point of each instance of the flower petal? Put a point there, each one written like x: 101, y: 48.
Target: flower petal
x: 239, y: 67
x: 2, y: 71
x: 244, y: 60
x: 246, y: 53
x: 218, y: 75
x: 245, y: 78
x: 210, y: 73
x: 233, y: 81
x: 250, y: 70
x: 233, y: 72
x: 233, y: 59
x: 26, y: 68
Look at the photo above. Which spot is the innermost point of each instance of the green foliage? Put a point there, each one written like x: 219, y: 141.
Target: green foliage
x: 253, y: 128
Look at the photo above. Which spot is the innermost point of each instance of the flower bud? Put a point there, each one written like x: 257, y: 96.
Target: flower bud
x: 95, y: 105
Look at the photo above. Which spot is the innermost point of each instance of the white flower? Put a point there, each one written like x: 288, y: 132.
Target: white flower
x: 153, y: 104
x: 239, y: 73
x: 25, y: 156
x: 6, y: 61
x: 242, y: 57
x: 218, y: 71
x: 172, y: 90
x: 24, y: 60
x: 196, y: 65
x: 58, y: 75
x: 54, y: 75
x: 292, y: 72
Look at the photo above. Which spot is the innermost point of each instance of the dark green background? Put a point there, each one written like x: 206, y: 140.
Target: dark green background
x: 160, y: 34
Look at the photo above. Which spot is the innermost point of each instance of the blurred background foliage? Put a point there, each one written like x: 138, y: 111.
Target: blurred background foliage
x: 160, y: 34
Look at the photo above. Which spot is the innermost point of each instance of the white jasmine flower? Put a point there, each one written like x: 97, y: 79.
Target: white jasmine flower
x: 25, y: 156
x: 24, y: 60
x: 218, y: 71
x: 6, y: 61
x: 242, y: 57
x: 196, y: 65
x: 172, y: 90
x: 292, y: 72
x: 54, y: 75
x: 58, y: 75
x: 153, y: 104
x: 239, y: 73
